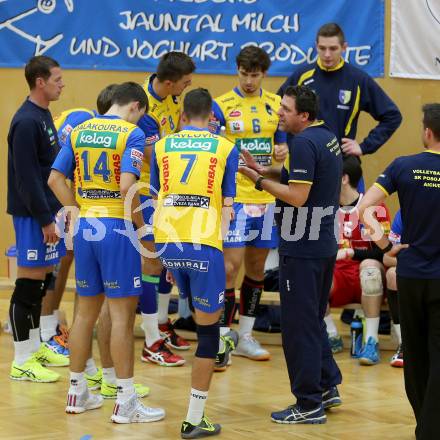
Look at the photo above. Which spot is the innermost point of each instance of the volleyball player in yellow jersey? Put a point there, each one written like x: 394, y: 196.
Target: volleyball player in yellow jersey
x: 163, y: 89
x: 105, y: 156
x: 248, y: 114
x: 194, y: 172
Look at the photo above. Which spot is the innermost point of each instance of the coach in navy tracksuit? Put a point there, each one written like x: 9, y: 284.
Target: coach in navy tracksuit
x: 310, y: 181
x: 344, y: 91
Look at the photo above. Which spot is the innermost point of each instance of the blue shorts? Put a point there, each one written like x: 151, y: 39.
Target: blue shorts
x: 199, y: 273
x: 148, y: 213
x: 31, y: 251
x: 106, y: 260
x: 253, y: 225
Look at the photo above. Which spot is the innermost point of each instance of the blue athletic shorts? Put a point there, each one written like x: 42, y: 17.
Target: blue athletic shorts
x: 106, y: 260
x: 199, y: 273
x: 147, y: 212
x: 31, y: 251
x: 253, y: 225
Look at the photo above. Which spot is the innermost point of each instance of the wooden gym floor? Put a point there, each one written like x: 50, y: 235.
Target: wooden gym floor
x: 241, y: 399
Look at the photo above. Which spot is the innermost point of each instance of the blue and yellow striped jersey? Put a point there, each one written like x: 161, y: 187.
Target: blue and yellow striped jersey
x: 251, y: 123
x: 162, y: 119
x: 97, y: 152
x: 192, y: 171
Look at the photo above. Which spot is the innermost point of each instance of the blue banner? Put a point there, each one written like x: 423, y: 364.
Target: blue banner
x: 134, y: 34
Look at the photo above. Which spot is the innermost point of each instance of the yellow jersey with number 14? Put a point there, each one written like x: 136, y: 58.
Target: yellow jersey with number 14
x: 162, y: 119
x: 193, y: 170
x: 251, y: 123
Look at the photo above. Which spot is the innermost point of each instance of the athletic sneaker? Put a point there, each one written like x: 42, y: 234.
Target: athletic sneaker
x: 133, y: 411
x: 369, y: 355
x: 57, y: 347
x: 62, y: 336
x: 397, y: 359
x: 172, y: 339
x: 222, y: 359
x: 160, y: 354
x: 249, y: 347
x: 48, y: 356
x: 204, y: 429
x: 33, y: 371
x: 79, y: 403
x: 294, y: 414
x: 109, y: 391
x: 331, y: 398
x: 94, y: 382
x: 336, y: 344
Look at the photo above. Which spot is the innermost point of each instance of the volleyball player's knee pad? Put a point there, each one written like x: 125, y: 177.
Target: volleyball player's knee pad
x: 371, y: 281
x: 27, y: 292
x: 208, y: 339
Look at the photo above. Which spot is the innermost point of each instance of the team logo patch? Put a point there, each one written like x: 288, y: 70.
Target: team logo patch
x: 235, y: 114
x: 151, y: 140
x: 137, y: 282
x: 97, y: 139
x: 136, y: 154
x: 65, y: 132
x: 136, y: 164
x: 163, y: 121
x: 32, y: 255
x: 197, y: 265
x: 344, y: 96
x: 173, y: 144
x: 221, y: 297
x: 254, y: 109
x: 269, y: 110
x: 236, y: 126
x: 255, y: 145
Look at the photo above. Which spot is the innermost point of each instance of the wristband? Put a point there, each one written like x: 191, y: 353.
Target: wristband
x: 388, y: 248
x: 258, y: 183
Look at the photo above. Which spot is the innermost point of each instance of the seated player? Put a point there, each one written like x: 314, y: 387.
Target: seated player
x: 248, y: 114
x: 359, y: 273
x: 193, y: 172
x: 390, y: 263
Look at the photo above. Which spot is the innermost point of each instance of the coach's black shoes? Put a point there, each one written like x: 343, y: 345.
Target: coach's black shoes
x: 204, y: 429
x: 331, y: 398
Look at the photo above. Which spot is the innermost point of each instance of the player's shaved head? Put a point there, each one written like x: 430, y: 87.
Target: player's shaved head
x: 197, y: 104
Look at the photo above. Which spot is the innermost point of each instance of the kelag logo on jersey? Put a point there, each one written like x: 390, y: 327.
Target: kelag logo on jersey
x: 255, y: 145
x: 97, y: 139
x: 186, y: 144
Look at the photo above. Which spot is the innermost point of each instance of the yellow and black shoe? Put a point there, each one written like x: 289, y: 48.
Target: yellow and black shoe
x: 204, y: 429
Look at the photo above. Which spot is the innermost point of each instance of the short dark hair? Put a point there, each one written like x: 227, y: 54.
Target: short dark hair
x: 39, y: 67
x: 128, y: 92
x: 104, y: 100
x: 174, y: 65
x: 306, y: 100
x: 352, y: 168
x: 331, y: 30
x: 431, y: 118
x: 197, y: 104
x: 253, y: 59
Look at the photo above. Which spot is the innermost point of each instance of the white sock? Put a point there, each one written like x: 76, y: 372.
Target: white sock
x: 91, y: 369
x: 332, y: 331
x: 23, y: 351
x: 196, y: 408
x: 48, y: 326
x: 34, y: 336
x: 78, y: 383
x: 125, y: 389
x: 398, y: 332
x: 163, y: 302
x: 246, y: 325
x: 372, y: 328
x: 109, y: 375
x: 151, y: 328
